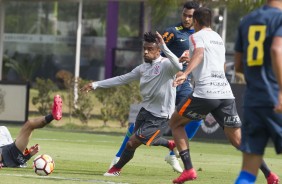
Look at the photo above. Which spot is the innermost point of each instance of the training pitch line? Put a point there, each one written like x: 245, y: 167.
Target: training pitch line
x: 61, y: 178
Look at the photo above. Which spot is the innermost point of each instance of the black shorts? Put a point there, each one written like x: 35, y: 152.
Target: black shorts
x: 223, y: 110
x: 148, y: 127
x: 12, y: 156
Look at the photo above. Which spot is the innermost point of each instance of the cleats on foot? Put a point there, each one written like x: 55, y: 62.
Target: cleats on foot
x: 186, y: 175
x: 173, y: 161
x: 114, y: 161
x: 272, y: 178
x: 57, y: 107
x: 113, y: 172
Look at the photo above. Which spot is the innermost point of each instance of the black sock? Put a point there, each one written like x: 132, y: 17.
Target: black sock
x: 186, y: 159
x: 264, y: 169
x: 49, y: 118
x: 161, y: 142
x: 126, y: 156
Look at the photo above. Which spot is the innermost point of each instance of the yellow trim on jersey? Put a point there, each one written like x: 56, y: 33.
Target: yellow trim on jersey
x: 179, y: 28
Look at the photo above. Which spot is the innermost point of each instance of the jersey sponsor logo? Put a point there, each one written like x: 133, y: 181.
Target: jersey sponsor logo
x: 216, y: 42
x: 218, y: 83
x: 219, y: 75
x: 232, y: 120
x: 219, y: 92
x: 179, y: 28
x: 195, y: 115
x: 182, y: 40
x: 210, y: 125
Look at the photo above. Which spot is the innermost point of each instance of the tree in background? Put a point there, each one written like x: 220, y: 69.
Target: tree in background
x: 116, y: 102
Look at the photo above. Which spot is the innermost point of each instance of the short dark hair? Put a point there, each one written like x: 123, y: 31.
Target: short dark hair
x: 203, y: 16
x: 191, y: 5
x: 150, y: 37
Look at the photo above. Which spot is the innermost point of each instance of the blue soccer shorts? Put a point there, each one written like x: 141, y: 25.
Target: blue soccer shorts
x: 260, y: 125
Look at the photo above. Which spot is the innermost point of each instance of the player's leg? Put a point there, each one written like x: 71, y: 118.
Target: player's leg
x: 189, y: 109
x: 234, y: 136
x: 125, y: 140
x: 130, y: 147
x: 177, y: 124
x: 148, y: 130
x: 233, y: 133
x: 182, y: 92
x: 127, y: 154
x: 171, y: 159
x: 251, y: 164
x: 24, y: 135
x: 192, y: 128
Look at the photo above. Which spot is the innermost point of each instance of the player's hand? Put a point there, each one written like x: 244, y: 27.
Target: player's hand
x: 179, y: 79
x: 159, y: 38
x: 185, y: 57
x: 178, y: 74
x: 278, y: 107
x: 34, y: 149
x: 87, y: 87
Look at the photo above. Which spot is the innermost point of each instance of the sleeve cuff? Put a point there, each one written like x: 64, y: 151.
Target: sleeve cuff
x: 94, y: 85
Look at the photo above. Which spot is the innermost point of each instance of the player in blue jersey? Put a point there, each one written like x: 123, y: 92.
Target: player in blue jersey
x: 259, y: 55
x: 176, y: 38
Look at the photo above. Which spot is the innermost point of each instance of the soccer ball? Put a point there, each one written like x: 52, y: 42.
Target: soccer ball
x: 43, y: 165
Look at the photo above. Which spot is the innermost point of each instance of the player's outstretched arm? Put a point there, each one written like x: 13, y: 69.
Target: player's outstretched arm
x: 159, y: 39
x: 172, y: 57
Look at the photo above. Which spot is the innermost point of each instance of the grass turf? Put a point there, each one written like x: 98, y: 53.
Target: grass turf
x: 83, y: 158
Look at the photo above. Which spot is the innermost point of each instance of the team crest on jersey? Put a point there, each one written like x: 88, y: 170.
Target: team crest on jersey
x: 157, y: 70
x: 210, y: 125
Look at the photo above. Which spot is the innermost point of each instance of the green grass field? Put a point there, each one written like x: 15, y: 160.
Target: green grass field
x: 82, y: 157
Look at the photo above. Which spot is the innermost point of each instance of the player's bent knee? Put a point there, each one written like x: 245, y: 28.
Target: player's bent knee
x: 133, y: 143
x: 177, y: 121
x: 235, y: 142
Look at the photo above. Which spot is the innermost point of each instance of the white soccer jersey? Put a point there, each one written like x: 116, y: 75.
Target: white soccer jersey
x: 156, y: 81
x: 5, y: 136
x: 209, y: 75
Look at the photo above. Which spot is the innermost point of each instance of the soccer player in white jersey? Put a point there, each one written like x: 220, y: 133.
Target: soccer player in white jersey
x: 16, y: 154
x: 212, y: 92
x: 156, y: 77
